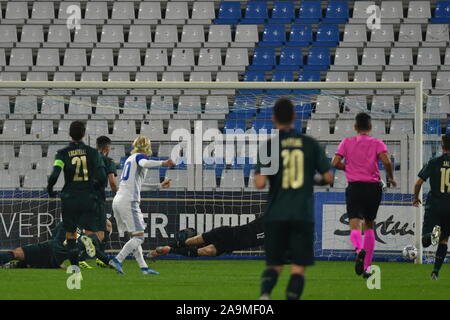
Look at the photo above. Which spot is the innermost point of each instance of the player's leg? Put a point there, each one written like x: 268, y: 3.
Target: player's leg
x: 431, y: 231
x: 353, y: 201
x: 276, y: 246
x: 7, y: 256
x: 70, y: 216
x: 441, y: 251
x: 369, y: 242
x: 195, y: 241
x: 301, y: 252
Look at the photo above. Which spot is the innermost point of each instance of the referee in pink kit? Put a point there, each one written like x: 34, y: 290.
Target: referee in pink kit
x: 358, y: 156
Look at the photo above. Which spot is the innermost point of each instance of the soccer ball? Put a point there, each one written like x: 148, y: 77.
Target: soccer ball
x: 410, y: 253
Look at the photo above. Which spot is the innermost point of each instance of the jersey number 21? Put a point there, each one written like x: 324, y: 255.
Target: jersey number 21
x: 81, y: 170
x: 293, y: 163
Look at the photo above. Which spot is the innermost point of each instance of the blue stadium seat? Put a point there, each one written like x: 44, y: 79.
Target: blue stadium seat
x: 281, y: 76
x: 253, y: 76
x: 447, y: 129
x: 282, y: 12
x: 266, y: 124
x: 305, y: 76
x: 300, y: 35
x: 229, y: 12
x: 244, y: 107
x: 337, y: 12
x: 273, y: 36
x: 263, y: 59
x: 327, y: 35
x: 310, y: 12
x: 298, y: 126
x: 318, y: 59
x: 265, y: 113
x: 255, y: 12
x: 291, y: 59
x: 233, y: 124
x: 303, y: 111
x: 442, y: 12
x: 432, y: 126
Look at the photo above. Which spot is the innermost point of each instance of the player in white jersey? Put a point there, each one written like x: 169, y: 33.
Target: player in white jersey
x: 126, y: 202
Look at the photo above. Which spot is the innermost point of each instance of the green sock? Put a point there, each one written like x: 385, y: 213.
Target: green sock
x: 441, y: 252
x: 269, y: 279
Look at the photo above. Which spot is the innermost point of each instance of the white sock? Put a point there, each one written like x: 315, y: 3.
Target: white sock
x: 140, y: 257
x: 129, y: 247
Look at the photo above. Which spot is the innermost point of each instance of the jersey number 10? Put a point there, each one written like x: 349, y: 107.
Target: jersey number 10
x: 445, y: 180
x: 81, y: 169
x: 293, y: 173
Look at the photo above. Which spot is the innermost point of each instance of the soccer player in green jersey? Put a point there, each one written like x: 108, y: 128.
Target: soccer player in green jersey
x: 84, y: 174
x: 436, y: 221
x: 289, y: 216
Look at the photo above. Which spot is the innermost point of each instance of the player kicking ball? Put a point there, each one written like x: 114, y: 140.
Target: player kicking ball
x: 436, y: 220
x: 289, y: 216
x: 364, y: 191
x: 213, y: 243
x: 126, y: 203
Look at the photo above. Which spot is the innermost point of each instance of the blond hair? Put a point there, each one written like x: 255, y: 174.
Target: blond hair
x: 143, y: 145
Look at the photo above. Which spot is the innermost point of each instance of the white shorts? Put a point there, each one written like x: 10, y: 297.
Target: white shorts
x: 128, y: 216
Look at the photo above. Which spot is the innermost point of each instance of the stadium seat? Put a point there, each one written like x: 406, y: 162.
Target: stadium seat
x: 281, y: 76
x: 189, y: 105
x: 355, y: 35
x: 6, y: 152
x: 419, y: 10
x: 134, y: 105
x: 101, y: 60
x: 96, y: 128
x: 42, y: 130
x: 310, y: 12
x: 178, y: 124
x: 336, y: 76
x: 165, y: 36
x: 410, y: 35
x: 345, y: 59
x: 58, y: 36
x: 245, y: 36
x: 282, y: 12
x: 74, y: 59
x: 35, y: 180
x: 318, y: 59
x: 438, y: 104
x: 8, y: 35
x: 47, y: 60
x: 25, y: 106
x: 391, y: 11
x: 122, y: 11
x: 209, y: 59
x: 236, y: 59
x: 149, y: 12
x: 20, y: 166
x: 96, y: 11
x: 177, y: 11
x: 111, y: 37
x: 20, y: 59
x: 373, y: 59
x: 106, y: 107
x: 13, y: 130
x: 42, y: 11
x: 128, y: 60
x: 162, y: 107
x: 85, y: 37
x: 304, y: 76
x: 218, y: 36
x: 80, y: 106
x: 4, y: 107
x: 229, y: 12
x: 255, y: 12
x: 232, y: 179
x: 30, y: 152
x: 360, y: 14
x: 291, y: 59
x: 124, y: 130
x: 383, y: 105
x: 9, y: 180
x: 192, y: 36
x: 446, y: 65
x: 182, y: 60
x: 336, y: 12
x: 383, y: 37
x: 327, y: 35
x: 437, y: 35
x: 32, y: 36
x: 216, y: 105
x: 402, y: 127
x: 153, y: 129
x: 432, y: 126
x: 16, y: 10
x: 209, y: 179
x: 422, y: 76
x: 318, y: 128
x: 400, y: 59
x: 139, y: 36
x: 300, y: 35
x: 273, y: 36
x: 428, y: 59
x: 37, y: 76
x: 406, y: 105
x: 155, y: 60
x: 179, y: 179
x: 250, y: 76
x: 327, y: 105
x: 442, y: 12
x: 443, y: 80
x: 202, y: 10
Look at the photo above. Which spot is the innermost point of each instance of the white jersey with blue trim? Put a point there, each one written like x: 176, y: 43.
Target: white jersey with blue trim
x: 133, y: 175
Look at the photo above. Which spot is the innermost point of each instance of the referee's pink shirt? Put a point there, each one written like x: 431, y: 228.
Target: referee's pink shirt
x: 361, y: 157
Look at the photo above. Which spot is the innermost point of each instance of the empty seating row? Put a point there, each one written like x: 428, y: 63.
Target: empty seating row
x: 21, y: 59
x: 104, y: 10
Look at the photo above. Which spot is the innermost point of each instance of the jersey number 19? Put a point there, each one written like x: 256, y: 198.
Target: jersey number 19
x: 293, y: 173
x: 445, y: 180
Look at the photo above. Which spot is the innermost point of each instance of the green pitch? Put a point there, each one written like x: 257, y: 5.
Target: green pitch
x: 221, y: 280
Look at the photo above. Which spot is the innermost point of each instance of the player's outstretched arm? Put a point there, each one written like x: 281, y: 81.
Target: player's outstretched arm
x: 337, y: 162
x: 148, y: 163
x: 113, y: 183
x: 417, y: 187
x: 260, y: 181
x: 384, y: 157
x: 324, y: 179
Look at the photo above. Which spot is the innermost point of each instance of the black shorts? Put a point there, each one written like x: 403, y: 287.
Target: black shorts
x: 437, y: 213
x: 289, y: 242
x: 40, y: 255
x: 227, y: 239
x: 363, y: 200
x: 79, y: 209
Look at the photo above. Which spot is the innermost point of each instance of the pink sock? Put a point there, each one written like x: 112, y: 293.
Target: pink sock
x: 369, y: 246
x: 356, y: 239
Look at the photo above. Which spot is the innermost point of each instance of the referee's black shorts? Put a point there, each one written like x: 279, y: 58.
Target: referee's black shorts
x: 363, y: 200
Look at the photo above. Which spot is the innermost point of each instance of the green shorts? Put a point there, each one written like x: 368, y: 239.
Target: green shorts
x: 289, y: 242
x: 101, y: 215
x: 436, y: 213
x: 79, y: 209
x: 40, y: 255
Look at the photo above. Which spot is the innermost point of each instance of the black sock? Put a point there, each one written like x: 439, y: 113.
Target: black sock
x: 95, y: 240
x: 295, y: 287
x: 6, y: 256
x: 105, y: 241
x: 83, y: 256
x: 186, y: 251
x: 426, y: 240
x: 269, y: 279
x: 72, y: 251
x: 441, y: 252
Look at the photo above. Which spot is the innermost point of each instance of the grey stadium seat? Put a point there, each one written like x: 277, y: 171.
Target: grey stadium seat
x: 373, y: 59
x: 355, y: 35
x: 336, y: 76
x: 96, y: 128
x: 406, y: 105
x: 16, y: 10
x: 232, y: 179
x: 80, y: 106
x: 359, y: 10
x: 47, y: 60
x: 325, y: 104
x: 153, y: 129
x: 437, y: 35
x: 135, y: 105
x: 179, y: 178
x: 155, y: 60
x: 438, y: 104
x: 171, y: 76
x: 42, y: 130
x: 318, y: 128
x: 409, y: 35
x: 128, y: 60
x: 96, y: 10
x: 383, y: 105
x: 52, y: 105
x: 149, y: 11
x: 139, y: 36
x: 177, y: 11
x: 124, y: 130
x: 62, y: 11
x: 203, y: 11
x: 209, y: 179
x: 20, y: 59
x: 58, y: 36
x: 32, y: 36
x: 13, y: 130
x: 85, y: 37
x: 391, y: 11
x: 216, y: 105
x: 192, y: 36
x: 419, y: 11
x: 25, y: 106
x: 182, y: 60
x: 122, y: 11
x: 188, y: 105
x: 345, y: 59
x: 165, y: 36
x: 443, y: 80
x: 178, y: 124
x: 43, y: 11
x: 112, y: 36
x: 400, y: 59
x: 402, y: 127
x: 382, y: 37
x: 8, y: 35
x: 74, y: 59
x: 424, y: 76
x: 106, y: 107
x: 246, y: 35
x: 6, y: 152
x: 219, y: 36
x: 9, y: 180
x: 236, y: 59
x: 37, y: 76
x: 30, y: 151
x: 446, y: 65
x: 20, y: 166
x: 209, y: 59
x: 35, y: 179
x: 428, y: 59
x: 161, y: 107
x: 391, y: 76
x: 101, y: 60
